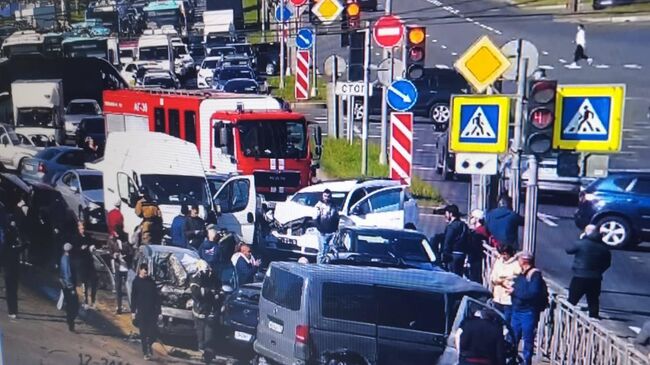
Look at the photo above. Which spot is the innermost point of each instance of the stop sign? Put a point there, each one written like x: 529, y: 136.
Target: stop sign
x: 388, y: 31
x: 298, y: 3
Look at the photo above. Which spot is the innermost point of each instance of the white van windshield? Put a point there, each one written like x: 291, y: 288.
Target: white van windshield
x: 176, y: 190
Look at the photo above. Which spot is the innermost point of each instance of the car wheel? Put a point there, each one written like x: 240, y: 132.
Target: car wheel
x: 616, y: 231
x: 440, y: 115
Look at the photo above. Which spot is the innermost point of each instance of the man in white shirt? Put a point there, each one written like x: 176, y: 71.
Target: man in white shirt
x: 581, y: 45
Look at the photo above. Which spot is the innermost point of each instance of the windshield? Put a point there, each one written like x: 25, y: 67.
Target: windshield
x: 241, y: 87
x: 244, y: 49
x: 236, y: 73
x: 91, y: 182
x: 273, y: 139
x: 163, y: 17
x: 211, y: 64
x: 35, y: 117
x: 180, y: 50
x: 157, y: 53
x: 164, y: 82
x: 82, y: 108
x: 126, y: 53
x: 11, y: 134
x: 220, y: 52
x: 94, y: 125
x: 177, y: 190
x: 85, y: 49
x: 387, y: 245
x: 312, y: 198
x: 17, y: 49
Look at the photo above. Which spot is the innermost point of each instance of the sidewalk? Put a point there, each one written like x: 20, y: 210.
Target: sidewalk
x: 586, y: 14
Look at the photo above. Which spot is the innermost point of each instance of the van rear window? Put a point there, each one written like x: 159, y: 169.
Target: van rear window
x: 283, y: 288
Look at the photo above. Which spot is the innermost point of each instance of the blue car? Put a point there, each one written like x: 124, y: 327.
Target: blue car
x: 47, y: 165
x: 620, y: 205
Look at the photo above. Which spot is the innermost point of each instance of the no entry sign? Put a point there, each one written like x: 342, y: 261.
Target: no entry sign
x: 388, y: 31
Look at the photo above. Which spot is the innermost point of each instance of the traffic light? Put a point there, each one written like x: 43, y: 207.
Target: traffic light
x: 538, y: 128
x: 353, y: 14
x: 416, y: 46
x: 355, y: 61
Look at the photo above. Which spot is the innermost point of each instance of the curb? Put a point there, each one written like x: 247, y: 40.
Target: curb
x: 604, y: 19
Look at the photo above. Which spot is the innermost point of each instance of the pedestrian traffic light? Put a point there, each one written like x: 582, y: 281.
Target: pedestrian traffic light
x: 538, y: 127
x: 357, y: 55
x: 416, y: 37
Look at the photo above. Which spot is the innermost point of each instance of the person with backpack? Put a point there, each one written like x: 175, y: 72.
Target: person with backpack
x: 455, y: 242
x: 529, y: 298
x: 503, y: 224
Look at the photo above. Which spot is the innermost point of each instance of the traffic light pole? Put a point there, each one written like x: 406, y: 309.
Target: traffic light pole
x: 366, y: 91
x: 515, y: 177
x: 530, y: 218
x: 383, y: 157
x: 282, y: 51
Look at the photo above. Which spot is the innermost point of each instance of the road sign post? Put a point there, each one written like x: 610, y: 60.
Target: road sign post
x: 530, y: 218
x: 302, y: 75
x: 515, y: 183
x: 282, y: 44
x: 401, y: 147
x: 388, y: 10
x: 366, y: 79
x: 314, y: 87
x: 333, y: 120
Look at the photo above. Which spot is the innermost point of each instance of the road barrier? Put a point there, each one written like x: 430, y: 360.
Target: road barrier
x: 567, y: 336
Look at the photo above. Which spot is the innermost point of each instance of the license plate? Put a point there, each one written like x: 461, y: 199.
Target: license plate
x: 29, y: 168
x: 276, y: 327
x: 243, y: 336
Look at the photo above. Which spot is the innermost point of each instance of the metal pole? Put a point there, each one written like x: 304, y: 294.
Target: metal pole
x: 282, y: 46
x: 530, y: 219
x: 366, y: 87
x: 335, y: 103
x: 522, y: 65
x: 314, y: 89
x: 264, y: 15
x: 388, y: 9
x: 350, y: 119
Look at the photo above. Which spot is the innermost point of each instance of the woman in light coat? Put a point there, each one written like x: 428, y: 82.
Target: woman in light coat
x: 504, y: 271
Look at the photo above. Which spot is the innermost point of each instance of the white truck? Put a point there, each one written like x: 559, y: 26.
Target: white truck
x: 39, y: 108
x: 217, y: 23
x: 156, y: 48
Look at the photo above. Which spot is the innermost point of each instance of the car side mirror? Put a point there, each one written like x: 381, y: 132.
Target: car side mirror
x: 227, y: 289
x: 74, y: 189
x: 356, y: 210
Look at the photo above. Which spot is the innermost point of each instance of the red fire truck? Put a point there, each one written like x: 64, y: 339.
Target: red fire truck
x: 234, y: 133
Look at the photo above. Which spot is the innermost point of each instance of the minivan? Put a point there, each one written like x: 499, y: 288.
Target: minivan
x: 315, y: 314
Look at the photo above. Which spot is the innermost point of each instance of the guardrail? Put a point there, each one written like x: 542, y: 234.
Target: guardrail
x: 567, y: 336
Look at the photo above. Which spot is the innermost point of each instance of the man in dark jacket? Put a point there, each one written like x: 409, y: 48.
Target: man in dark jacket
x: 145, y: 308
x: 591, y: 259
x: 67, y: 277
x: 210, y: 251
x: 527, y: 293
x: 481, y: 341
x: 455, y: 241
x: 87, y: 272
x: 178, y: 228
x: 10, y: 249
x: 504, y: 224
x: 245, y: 264
x: 203, y: 286
x: 194, y: 228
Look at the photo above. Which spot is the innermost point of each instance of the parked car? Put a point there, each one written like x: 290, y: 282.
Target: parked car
x: 82, y: 191
x: 77, y: 110
x: 364, y: 315
x: 94, y: 128
x: 445, y: 159
x: 13, y: 152
x: 620, y: 205
x: 434, y: 96
x: 48, y: 164
x: 241, y: 86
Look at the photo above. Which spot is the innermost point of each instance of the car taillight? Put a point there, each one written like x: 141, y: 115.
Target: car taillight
x: 302, y: 334
x: 41, y: 167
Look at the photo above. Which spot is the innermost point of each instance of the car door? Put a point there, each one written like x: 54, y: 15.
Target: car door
x: 6, y: 148
x: 382, y: 208
x: 639, y: 201
x: 237, y: 202
x: 66, y: 185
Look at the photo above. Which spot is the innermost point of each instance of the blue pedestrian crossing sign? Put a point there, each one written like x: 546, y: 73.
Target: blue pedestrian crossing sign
x: 402, y: 95
x: 282, y: 13
x: 589, y: 118
x: 479, y: 123
x: 304, y: 38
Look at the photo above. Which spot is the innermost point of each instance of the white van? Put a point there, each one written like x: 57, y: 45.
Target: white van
x: 156, y: 48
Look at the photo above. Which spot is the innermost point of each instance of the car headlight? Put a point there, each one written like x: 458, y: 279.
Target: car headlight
x: 189, y: 304
x: 93, y: 206
x: 208, y: 79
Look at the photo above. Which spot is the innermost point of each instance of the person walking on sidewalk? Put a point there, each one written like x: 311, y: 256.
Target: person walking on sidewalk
x: 581, y: 45
x: 503, y: 224
x: 455, y: 242
x: 69, y: 287
x: 505, y: 270
x: 327, y: 223
x: 10, y: 250
x: 87, y: 272
x: 529, y: 298
x: 591, y: 259
x: 145, y: 308
x: 121, y: 257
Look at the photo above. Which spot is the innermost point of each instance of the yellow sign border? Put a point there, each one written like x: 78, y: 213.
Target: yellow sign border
x: 501, y: 144
x: 615, y: 139
x: 484, y: 41
x: 328, y: 20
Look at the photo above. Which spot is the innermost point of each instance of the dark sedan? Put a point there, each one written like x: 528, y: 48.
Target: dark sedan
x: 240, y: 315
x: 93, y: 127
x: 620, y: 205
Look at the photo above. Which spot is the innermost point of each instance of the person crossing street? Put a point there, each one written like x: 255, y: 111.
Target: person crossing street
x: 581, y: 45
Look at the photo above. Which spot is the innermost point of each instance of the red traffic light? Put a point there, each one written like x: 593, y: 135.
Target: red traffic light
x: 541, y: 118
x: 416, y: 54
x: 543, y: 92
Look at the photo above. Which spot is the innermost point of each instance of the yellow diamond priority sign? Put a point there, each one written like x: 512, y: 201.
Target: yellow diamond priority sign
x: 327, y: 11
x: 482, y: 64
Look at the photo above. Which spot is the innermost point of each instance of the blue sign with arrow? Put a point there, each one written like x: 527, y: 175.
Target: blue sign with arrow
x: 402, y: 95
x: 305, y: 38
x: 282, y: 13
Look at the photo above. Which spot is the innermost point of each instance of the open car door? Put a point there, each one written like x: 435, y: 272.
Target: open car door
x: 469, y: 307
x: 237, y: 202
x: 390, y: 207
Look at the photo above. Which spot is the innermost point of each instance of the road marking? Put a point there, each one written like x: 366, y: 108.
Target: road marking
x: 547, y: 219
x: 428, y: 145
x: 545, y: 53
x: 637, y: 147
x: 601, y: 66
x: 562, y: 60
x: 423, y: 168
x: 547, y: 67
x: 454, y: 53
x: 443, y: 46
x: 434, y: 40
x: 454, y: 11
x: 632, y: 66
x: 635, y: 329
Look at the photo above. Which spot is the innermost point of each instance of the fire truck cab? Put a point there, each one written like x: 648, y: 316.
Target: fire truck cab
x: 234, y: 133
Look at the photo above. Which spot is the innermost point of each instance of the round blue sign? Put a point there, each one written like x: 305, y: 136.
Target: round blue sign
x: 305, y: 38
x: 282, y: 13
x: 402, y: 95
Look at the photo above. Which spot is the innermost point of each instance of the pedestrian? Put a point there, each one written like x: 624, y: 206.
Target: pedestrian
x: 209, y: 251
x: 327, y: 223
x: 114, y: 217
x: 246, y: 266
x: 591, y: 259
x: 529, y: 297
x: 145, y: 308
x: 480, y: 341
x: 10, y: 250
x: 505, y: 270
x: 203, y: 286
x: 581, y: 46
x: 86, y: 266
x: 121, y: 258
x: 178, y: 228
x: 455, y: 241
x: 69, y: 286
x: 195, y: 228
x: 478, y: 237
x: 503, y: 224
x: 151, y: 226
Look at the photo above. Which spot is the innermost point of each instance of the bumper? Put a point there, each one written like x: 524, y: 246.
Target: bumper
x: 583, y: 216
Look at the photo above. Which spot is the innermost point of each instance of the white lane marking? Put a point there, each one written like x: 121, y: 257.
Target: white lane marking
x: 434, y: 40
x: 443, y: 46
x: 545, y: 53
x: 601, y: 66
x: 546, y: 67
x: 454, y: 11
x: 562, y: 60
x: 428, y: 145
x: 632, y: 66
x: 423, y: 168
x: 635, y: 329
x: 637, y: 147
x: 454, y: 53
x: 547, y: 219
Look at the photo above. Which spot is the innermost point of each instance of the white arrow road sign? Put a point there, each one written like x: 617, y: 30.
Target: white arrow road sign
x: 405, y: 98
